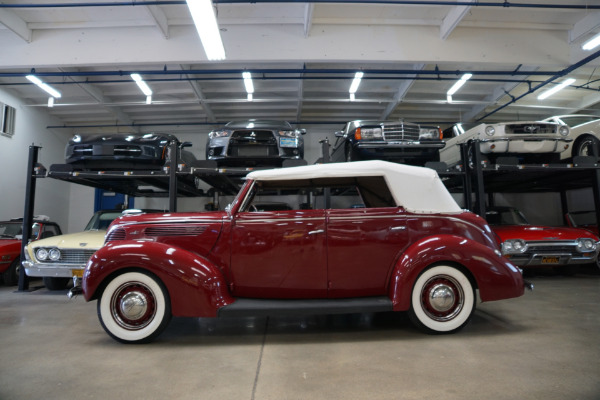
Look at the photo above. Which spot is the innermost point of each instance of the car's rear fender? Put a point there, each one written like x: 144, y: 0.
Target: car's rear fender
x: 196, y: 287
x: 494, y: 276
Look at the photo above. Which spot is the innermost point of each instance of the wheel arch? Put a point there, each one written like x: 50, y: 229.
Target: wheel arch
x: 195, y: 286
x: 493, y: 275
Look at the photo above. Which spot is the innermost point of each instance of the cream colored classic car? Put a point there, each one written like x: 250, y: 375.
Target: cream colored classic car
x: 529, y: 141
x: 60, y: 258
x: 584, y: 130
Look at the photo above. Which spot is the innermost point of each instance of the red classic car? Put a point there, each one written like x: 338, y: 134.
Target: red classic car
x: 367, y: 236
x: 11, y: 233
x: 529, y: 245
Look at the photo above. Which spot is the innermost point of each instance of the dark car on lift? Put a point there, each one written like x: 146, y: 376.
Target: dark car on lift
x: 11, y: 234
x: 255, y: 142
x: 124, y: 151
x: 397, y: 141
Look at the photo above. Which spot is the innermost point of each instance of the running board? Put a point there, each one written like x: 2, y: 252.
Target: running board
x: 244, y: 307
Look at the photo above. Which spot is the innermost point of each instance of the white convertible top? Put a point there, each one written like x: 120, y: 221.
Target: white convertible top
x: 417, y: 189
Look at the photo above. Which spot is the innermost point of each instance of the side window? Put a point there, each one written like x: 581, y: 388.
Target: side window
x: 319, y: 194
x: 49, y: 231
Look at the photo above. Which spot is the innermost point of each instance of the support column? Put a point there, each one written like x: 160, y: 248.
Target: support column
x: 28, y: 212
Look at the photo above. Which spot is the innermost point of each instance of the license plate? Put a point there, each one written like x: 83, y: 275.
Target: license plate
x: 77, y: 272
x: 550, y: 260
x: 288, y: 142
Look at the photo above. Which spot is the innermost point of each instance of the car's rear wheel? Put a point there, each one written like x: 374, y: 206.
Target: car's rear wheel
x: 11, y: 275
x: 52, y: 283
x: 134, y: 308
x: 442, y: 300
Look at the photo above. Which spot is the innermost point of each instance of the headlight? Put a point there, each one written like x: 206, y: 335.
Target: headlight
x: 490, y: 130
x: 368, y: 133
x: 586, y: 245
x: 288, y: 133
x: 54, y: 254
x: 429, y: 133
x: 514, y: 246
x: 563, y: 130
x: 76, y: 139
x: 215, y: 134
x: 41, y: 254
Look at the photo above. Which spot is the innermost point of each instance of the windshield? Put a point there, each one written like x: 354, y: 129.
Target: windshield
x: 583, y: 218
x: 509, y: 216
x: 102, y: 219
x: 11, y: 230
x: 576, y: 120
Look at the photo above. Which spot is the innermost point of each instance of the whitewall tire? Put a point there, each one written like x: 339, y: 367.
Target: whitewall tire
x: 134, y: 308
x: 442, y: 300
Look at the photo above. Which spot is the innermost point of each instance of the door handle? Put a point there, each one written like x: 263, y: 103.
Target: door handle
x: 398, y: 228
x: 317, y: 231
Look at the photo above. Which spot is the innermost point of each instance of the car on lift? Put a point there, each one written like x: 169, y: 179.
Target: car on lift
x: 125, y: 151
x: 58, y: 259
x: 11, y: 236
x: 585, y: 132
x: 529, y: 141
x: 402, y: 250
x: 539, y: 246
x: 396, y: 141
x: 255, y: 142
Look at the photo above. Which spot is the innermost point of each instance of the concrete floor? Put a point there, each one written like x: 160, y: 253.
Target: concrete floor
x: 545, y: 345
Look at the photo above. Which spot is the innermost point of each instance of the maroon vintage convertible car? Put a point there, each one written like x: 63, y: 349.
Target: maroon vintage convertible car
x: 367, y: 236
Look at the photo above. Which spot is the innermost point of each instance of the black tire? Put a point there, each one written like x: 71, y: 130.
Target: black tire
x: 53, y: 283
x: 134, y: 308
x: 11, y: 275
x: 585, y: 146
x: 442, y: 300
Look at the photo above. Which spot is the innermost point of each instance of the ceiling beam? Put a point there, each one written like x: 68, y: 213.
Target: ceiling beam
x: 452, y: 19
x: 15, y: 24
x: 308, y: 18
x: 584, y: 27
x: 160, y: 18
x: 210, y: 116
x: 400, y: 93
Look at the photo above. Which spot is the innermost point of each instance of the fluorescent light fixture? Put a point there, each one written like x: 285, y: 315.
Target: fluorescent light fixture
x: 249, y: 98
x: 352, y: 97
x: 141, y: 84
x: 592, y: 43
x: 459, y: 84
x: 449, y: 98
x: 207, y: 27
x: 148, y: 99
x: 50, y: 102
x: 44, y: 86
x: 556, y: 88
x: 248, y: 82
x: 354, y: 86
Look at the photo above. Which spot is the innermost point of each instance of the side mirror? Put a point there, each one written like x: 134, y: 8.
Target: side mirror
x: 339, y: 134
x: 302, y: 131
x: 185, y: 144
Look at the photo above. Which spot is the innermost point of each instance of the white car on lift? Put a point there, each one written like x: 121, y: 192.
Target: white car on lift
x: 529, y: 141
x: 584, y: 130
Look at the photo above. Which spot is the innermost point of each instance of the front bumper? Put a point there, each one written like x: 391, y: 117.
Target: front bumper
x: 53, y: 270
x: 524, y: 144
x: 548, y: 259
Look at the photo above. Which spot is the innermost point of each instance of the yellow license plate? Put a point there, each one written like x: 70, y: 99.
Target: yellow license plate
x: 550, y: 260
x: 77, y: 272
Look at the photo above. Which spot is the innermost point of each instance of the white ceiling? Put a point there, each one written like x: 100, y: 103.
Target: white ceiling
x: 303, y: 57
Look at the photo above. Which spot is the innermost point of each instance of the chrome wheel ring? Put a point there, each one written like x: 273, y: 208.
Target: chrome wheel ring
x: 133, y: 306
x: 442, y: 298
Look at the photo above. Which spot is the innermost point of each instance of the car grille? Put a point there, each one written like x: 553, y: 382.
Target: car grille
x: 401, y: 131
x: 115, y: 234
x: 530, y: 129
x: 252, y: 143
x: 551, y: 247
x: 107, y: 150
x: 73, y: 256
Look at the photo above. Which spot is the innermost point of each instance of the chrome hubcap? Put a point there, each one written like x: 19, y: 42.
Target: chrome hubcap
x: 441, y: 297
x: 133, y: 305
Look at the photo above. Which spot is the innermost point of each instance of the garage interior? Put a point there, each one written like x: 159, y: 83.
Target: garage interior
x: 302, y: 58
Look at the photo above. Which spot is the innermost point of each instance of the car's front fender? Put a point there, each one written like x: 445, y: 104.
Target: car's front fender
x: 495, y: 277
x: 196, y: 286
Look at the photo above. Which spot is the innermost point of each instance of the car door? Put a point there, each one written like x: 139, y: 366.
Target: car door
x: 279, y: 254
x: 362, y: 247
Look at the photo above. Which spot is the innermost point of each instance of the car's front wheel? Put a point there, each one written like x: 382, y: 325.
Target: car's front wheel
x: 11, y: 275
x: 134, y: 308
x: 585, y: 146
x: 442, y: 300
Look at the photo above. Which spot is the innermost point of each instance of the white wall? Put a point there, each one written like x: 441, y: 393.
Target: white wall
x: 52, y: 196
